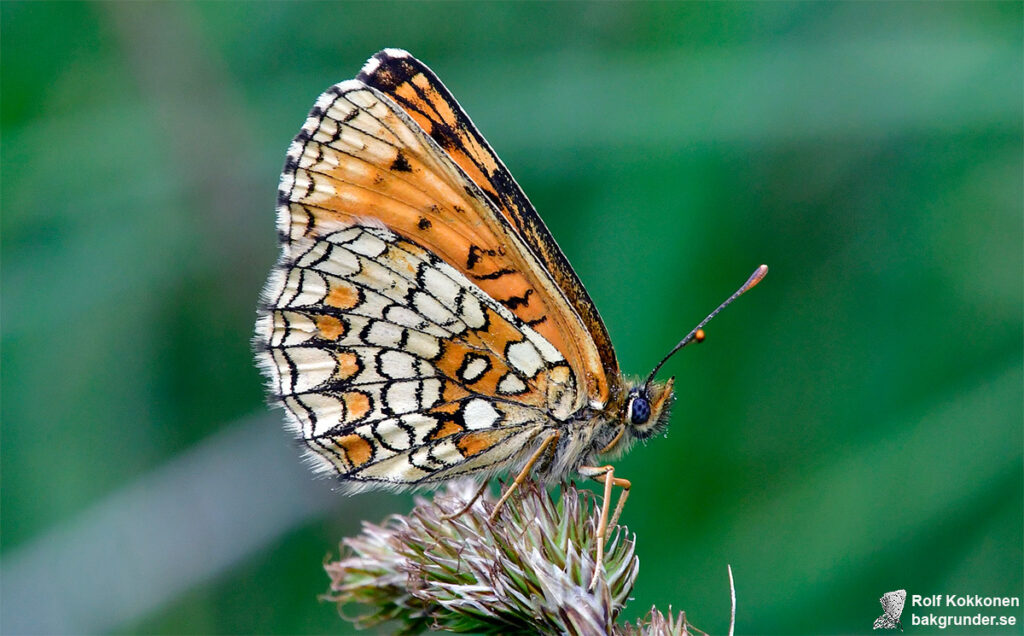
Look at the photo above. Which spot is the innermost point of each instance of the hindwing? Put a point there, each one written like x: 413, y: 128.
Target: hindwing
x: 396, y: 369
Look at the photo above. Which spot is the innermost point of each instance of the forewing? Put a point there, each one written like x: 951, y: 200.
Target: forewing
x: 394, y: 368
x: 420, y: 94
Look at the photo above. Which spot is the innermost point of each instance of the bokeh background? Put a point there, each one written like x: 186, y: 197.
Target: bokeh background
x: 851, y: 427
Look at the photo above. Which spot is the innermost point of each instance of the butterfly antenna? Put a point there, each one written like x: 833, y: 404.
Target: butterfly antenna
x: 698, y: 332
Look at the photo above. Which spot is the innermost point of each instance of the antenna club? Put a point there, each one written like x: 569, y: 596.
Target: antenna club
x: 755, y: 278
x: 698, y: 332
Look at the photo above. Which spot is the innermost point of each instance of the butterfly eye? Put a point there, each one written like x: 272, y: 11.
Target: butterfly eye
x: 639, y: 410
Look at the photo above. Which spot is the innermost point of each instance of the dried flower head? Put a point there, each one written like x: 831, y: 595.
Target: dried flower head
x: 657, y: 624
x: 528, y: 572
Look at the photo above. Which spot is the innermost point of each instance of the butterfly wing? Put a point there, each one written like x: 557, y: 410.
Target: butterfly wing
x: 410, y: 330
x: 397, y: 370
x: 412, y: 86
x: 892, y: 603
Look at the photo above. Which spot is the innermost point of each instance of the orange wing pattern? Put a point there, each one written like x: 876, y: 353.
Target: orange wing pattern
x: 419, y: 92
x: 359, y: 156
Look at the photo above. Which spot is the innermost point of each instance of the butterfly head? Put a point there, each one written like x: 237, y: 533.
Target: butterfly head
x: 647, y: 409
x: 643, y: 414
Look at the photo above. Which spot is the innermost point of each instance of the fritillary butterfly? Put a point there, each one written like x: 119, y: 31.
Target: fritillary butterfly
x: 422, y: 323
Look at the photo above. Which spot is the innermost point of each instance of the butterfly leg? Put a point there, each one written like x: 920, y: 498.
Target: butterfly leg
x: 605, y: 475
x: 469, y: 505
x: 524, y: 473
x: 625, y: 485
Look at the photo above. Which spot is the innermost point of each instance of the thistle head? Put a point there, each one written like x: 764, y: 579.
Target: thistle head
x: 528, y: 571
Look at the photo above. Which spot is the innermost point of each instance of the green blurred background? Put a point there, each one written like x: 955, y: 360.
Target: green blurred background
x: 851, y: 427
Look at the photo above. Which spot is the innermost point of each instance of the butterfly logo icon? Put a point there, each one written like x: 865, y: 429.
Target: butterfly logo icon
x: 421, y: 323
x: 892, y: 606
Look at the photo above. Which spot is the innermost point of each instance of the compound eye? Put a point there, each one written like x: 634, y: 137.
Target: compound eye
x: 639, y: 410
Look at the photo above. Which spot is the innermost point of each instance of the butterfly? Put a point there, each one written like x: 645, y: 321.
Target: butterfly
x: 421, y: 323
x: 892, y: 606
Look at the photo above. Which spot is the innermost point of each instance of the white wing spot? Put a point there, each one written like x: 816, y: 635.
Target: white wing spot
x: 475, y: 368
x: 510, y: 384
x: 321, y: 186
x: 398, y: 365
x: 367, y: 245
x: 344, y: 236
x: 422, y: 457
x: 373, y: 305
x: 447, y: 453
x: 340, y: 262
x: 430, y: 393
x: 440, y: 286
x: 384, y: 334
x: 291, y: 328
x: 525, y: 358
x: 432, y: 310
x: 308, y: 288
x: 340, y: 110
x: 328, y: 410
x: 401, y: 397
x: 313, y: 367
x: 393, y: 435
x: 546, y: 348
x: 395, y: 469
x: 404, y: 316
x: 327, y: 128
x: 473, y: 312
x: 282, y: 369
x: 313, y: 254
x: 423, y: 345
x: 479, y: 414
